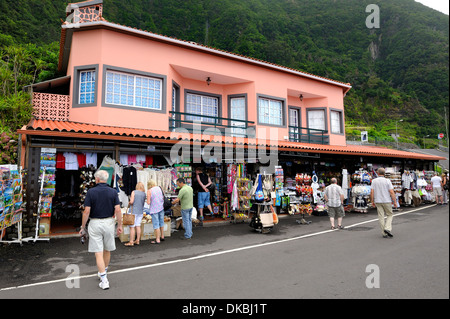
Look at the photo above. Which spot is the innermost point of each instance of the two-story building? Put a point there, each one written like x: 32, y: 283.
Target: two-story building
x: 128, y: 91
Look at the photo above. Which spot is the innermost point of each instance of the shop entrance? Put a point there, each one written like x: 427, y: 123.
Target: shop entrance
x: 70, y: 188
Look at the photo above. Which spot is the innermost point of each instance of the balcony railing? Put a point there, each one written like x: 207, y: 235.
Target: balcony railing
x: 308, y: 135
x: 51, y: 106
x: 226, y: 126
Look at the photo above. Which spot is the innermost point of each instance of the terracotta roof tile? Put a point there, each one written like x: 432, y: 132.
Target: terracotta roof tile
x: 92, y: 131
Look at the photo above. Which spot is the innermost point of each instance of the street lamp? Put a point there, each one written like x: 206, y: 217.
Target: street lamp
x: 424, y: 141
x: 396, y: 130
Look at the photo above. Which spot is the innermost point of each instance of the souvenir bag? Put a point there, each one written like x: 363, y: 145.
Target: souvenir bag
x: 277, y: 199
x: 259, y: 195
x: 128, y: 217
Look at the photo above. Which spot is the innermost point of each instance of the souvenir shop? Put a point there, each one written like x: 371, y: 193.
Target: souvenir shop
x: 296, y: 187
x: 71, y: 165
x: 305, y: 180
x: 73, y: 175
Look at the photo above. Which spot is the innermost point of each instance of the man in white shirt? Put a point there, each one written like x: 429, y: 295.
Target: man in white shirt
x: 382, y: 196
x: 436, y: 181
x: 334, y: 196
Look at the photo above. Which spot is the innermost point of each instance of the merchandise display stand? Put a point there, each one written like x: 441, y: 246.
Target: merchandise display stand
x: 244, y: 200
x: 19, y: 239
x: 396, y: 180
x: 262, y: 221
x: 36, y: 235
x: 361, y: 191
x: 305, y: 198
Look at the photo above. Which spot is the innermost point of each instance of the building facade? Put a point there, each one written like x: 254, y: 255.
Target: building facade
x: 131, y: 91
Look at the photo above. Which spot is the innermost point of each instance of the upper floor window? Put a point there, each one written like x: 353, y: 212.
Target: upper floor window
x: 133, y: 90
x: 202, y: 105
x: 336, y: 122
x: 86, y: 94
x: 317, y: 119
x: 238, y: 111
x: 270, y: 111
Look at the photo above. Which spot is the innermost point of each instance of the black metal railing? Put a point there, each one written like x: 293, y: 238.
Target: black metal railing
x: 224, y: 125
x: 308, y: 135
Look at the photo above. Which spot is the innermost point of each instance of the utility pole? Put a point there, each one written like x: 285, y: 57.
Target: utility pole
x: 446, y: 125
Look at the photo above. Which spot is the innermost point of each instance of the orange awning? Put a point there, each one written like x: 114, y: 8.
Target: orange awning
x: 92, y: 131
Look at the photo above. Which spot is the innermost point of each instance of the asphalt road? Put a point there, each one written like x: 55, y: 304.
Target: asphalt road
x: 232, y: 262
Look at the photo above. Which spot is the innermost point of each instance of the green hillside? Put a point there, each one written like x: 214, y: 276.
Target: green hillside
x: 398, y: 71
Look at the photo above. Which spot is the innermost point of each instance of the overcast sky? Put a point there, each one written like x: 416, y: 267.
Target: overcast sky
x: 439, y: 5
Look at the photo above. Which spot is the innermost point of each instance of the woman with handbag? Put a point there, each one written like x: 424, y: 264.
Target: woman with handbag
x: 137, y: 201
x: 444, y: 185
x: 155, y: 200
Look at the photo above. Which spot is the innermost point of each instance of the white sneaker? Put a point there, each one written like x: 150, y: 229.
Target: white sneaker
x: 99, y: 276
x: 104, y: 284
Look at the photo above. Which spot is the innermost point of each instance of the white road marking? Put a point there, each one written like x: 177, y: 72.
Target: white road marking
x: 205, y: 255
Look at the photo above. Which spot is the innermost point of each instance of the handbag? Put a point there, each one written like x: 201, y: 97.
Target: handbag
x: 128, y: 218
x: 167, y: 202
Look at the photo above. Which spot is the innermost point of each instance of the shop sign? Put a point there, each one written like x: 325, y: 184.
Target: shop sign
x: 364, y: 136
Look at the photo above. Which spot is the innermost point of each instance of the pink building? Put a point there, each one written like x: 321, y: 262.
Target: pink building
x: 127, y: 90
x: 123, y: 77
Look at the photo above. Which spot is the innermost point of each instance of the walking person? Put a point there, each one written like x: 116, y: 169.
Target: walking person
x: 101, y: 204
x: 186, y: 200
x: 382, y: 196
x: 137, y: 199
x: 203, y: 194
x: 444, y: 186
x: 155, y: 200
x: 436, y: 181
x: 334, y: 196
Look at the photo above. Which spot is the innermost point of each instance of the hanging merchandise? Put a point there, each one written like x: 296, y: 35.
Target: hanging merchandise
x: 231, y: 177
x: 259, y: 195
x: 302, y: 203
x: 235, y: 197
x: 315, y: 186
x: 361, y: 191
x: 184, y: 171
x: 47, y: 170
x: 396, y: 180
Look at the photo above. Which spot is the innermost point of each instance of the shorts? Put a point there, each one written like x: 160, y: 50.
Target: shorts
x: 158, y: 220
x: 101, y: 234
x: 137, y: 220
x: 437, y: 191
x: 203, y: 199
x: 336, y: 212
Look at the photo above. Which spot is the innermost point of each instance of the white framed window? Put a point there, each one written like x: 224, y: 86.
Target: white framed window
x: 237, y: 112
x: 270, y: 111
x: 133, y: 90
x: 316, y: 119
x: 202, y: 105
x: 336, y: 122
x: 86, y: 93
x: 294, y: 124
